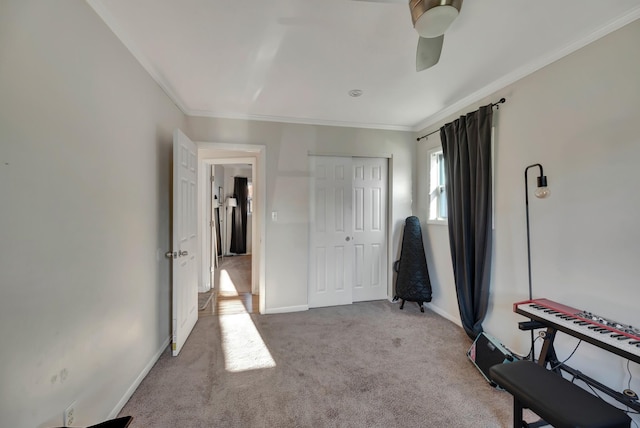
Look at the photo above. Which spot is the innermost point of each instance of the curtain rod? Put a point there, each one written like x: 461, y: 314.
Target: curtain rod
x: 496, y: 105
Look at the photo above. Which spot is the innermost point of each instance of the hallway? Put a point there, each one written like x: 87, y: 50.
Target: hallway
x: 232, y: 293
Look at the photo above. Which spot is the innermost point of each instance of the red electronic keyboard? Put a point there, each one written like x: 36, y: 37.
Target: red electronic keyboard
x: 621, y: 339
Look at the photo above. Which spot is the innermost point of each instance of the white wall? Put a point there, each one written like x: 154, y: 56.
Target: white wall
x: 287, y: 188
x: 578, y: 117
x: 205, y: 231
x: 85, y: 157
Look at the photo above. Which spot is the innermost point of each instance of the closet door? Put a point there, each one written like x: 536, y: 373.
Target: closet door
x: 331, y: 233
x: 370, y: 180
x: 348, y: 233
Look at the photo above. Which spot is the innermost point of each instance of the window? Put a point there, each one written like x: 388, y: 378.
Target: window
x: 437, y: 189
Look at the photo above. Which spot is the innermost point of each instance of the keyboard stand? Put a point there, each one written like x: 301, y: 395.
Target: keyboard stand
x: 548, y: 353
x: 548, y: 357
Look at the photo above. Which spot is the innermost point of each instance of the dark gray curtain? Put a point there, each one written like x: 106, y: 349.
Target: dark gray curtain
x: 218, y: 232
x: 466, y: 147
x: 239, y: 217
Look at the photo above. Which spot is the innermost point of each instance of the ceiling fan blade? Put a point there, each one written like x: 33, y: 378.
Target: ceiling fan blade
x: 428, y: 52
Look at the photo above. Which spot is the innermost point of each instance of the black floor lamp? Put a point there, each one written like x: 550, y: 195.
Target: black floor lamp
x: 542, y: 191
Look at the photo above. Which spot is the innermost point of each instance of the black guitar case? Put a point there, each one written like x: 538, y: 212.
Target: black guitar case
x: 412, y: 279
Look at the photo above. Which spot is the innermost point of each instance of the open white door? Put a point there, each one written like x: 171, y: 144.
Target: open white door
x: 185, y: 240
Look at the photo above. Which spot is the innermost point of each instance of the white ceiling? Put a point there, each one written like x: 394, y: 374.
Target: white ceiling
x: 296, y: 60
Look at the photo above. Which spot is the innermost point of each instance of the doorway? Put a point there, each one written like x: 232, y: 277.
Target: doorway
x: 211, y: 197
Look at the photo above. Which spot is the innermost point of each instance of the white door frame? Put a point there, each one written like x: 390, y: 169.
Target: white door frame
x: 389, y: 202
x: 255, y: 155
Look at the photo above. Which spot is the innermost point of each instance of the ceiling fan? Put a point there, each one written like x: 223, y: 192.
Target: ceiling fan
x: 431, y: 18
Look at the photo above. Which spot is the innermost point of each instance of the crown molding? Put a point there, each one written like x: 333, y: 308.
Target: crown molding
x: 301, y: 121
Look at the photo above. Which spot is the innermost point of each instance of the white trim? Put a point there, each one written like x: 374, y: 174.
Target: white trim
x: 229, y: 161
x: 438, y: 222
x: 204, y: 184
x: 437, y: 310
x: 248, y: 148
x: 351, y: 155
x: 390, y: 225
x: 301, y: 121
x: 529, y: 68
x: 444, y: 314
x: 435, y: 210
x: 286, y: 309
x: 138, y: 380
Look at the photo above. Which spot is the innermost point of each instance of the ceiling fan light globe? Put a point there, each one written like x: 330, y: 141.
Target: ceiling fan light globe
x: 435, y: 21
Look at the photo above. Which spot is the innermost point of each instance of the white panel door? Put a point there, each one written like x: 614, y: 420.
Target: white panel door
x: 185, y: 240
x: 331, y: 245
x: 370, y: 228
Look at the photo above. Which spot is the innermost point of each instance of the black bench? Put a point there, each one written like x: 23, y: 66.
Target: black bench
x: 556, y: 400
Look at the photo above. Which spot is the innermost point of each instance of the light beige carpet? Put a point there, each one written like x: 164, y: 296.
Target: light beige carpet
x: 363, y: 365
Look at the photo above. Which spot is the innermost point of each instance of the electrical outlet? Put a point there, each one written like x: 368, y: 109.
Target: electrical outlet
x: 70, y: 414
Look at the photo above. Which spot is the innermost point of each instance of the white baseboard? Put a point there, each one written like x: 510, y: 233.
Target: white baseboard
x: 439, y: 311
x: 136, y: 383
x: 286, y: 309
x: 444, y: 314
x: 203, y: 288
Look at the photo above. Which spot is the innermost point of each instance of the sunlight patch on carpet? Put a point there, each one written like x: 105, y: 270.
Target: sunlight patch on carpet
x: 242, y: 344
x: 227, y: 287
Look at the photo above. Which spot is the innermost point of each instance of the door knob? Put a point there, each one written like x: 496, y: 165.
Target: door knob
x: 183, y: 253
x: 171, y: 255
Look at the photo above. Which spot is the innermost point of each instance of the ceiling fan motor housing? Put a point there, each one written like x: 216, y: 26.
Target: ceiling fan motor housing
x: 431, y: 18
